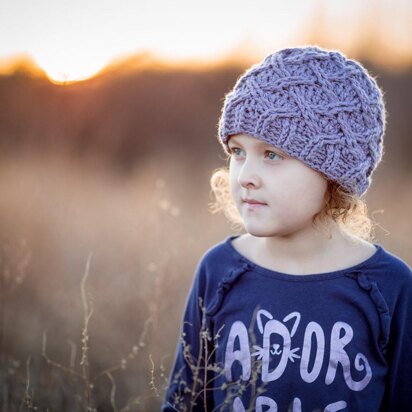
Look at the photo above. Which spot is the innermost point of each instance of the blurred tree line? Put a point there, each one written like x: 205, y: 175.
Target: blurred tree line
x: 125, y: 114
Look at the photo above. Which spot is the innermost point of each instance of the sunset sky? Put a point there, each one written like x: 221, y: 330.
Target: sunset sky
x: 74, y: 39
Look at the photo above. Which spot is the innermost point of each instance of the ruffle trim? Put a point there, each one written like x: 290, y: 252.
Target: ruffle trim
x: 224, y: 285
x: 376, y: 296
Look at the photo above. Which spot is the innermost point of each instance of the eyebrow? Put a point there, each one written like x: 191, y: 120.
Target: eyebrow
x: 260, y: 143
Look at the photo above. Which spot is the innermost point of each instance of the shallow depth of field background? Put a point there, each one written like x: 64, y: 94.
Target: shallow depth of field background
x: 114, y: 171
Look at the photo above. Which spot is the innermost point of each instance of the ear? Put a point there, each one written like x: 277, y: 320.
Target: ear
x: 260, y: 313
x: 296, y: 324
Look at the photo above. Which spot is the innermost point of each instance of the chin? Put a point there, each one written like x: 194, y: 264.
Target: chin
x: 259, y: 231
x: 265, y: 231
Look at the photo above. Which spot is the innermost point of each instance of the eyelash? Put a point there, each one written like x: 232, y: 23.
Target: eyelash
x: 234, y: 149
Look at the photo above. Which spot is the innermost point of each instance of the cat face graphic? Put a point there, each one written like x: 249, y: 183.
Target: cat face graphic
x: 275, y: 348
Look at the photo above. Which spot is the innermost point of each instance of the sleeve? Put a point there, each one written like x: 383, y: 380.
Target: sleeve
x: 187, y: 389
x: 398, y: 388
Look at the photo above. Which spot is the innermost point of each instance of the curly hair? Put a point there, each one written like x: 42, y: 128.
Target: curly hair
x: 348, y: 210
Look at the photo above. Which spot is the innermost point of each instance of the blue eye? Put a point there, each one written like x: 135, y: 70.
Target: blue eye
x: 273, y: 155
x: 235, y: 151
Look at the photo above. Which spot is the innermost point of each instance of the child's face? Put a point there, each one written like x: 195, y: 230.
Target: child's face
x: 291, y: 192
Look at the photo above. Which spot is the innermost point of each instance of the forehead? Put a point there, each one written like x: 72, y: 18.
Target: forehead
x: 250, y: 141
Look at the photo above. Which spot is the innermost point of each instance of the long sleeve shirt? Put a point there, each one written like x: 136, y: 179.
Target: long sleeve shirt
x: 254, y: 339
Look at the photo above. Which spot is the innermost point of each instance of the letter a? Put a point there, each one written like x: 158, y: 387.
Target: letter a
x: 238, y: 330
x: 238, y: 405
x: 262, y: 401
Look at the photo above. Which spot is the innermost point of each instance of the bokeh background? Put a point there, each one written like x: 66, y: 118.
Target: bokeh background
x: 108, y: 139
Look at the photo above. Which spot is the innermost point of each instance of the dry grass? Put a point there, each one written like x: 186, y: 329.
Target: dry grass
x: 135, y: 239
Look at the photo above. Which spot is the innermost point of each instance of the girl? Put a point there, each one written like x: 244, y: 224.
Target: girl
x: 303, y: 312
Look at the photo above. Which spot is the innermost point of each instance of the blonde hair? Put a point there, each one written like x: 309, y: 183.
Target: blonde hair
x: 348, y: 210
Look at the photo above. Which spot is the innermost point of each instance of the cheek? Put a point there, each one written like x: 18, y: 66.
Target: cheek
x: 233, y: 183
x: 304, y: 193
x: 319, y: 186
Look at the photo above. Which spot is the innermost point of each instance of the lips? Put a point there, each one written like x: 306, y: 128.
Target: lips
x: 253, y: 202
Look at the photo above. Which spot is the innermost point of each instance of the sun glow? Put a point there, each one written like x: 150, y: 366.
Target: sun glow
x: 64, y: 67
x: 73, y: 40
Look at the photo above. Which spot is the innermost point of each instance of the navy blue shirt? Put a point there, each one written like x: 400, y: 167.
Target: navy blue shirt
x: 257, y: 339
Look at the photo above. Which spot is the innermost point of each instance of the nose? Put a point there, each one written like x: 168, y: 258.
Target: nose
x: 248, y: 175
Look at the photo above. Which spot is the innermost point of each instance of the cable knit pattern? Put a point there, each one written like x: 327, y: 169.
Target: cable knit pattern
x: 318, y: 106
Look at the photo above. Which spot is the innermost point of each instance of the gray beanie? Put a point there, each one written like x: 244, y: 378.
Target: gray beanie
x: 317, y: 106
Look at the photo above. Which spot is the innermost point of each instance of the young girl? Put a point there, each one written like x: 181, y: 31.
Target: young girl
x: 302, y: 312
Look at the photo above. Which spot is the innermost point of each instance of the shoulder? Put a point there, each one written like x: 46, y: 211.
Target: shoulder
x: 216, y: 262
x: 219, y: 254
x: 392, y: 275
x: 392, y: 266
x: 216, y: 265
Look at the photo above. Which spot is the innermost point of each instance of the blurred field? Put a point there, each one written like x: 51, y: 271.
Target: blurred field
x: 119, y: 167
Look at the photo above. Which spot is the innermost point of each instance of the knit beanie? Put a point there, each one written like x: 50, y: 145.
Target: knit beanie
x: 317, y: 106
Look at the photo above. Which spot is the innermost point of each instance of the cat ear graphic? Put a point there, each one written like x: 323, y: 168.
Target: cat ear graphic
x: 262, y: 312
x: 296, y: 324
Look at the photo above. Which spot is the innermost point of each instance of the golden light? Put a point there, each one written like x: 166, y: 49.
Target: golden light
x: 63, y: 66
x: 74, y: 40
